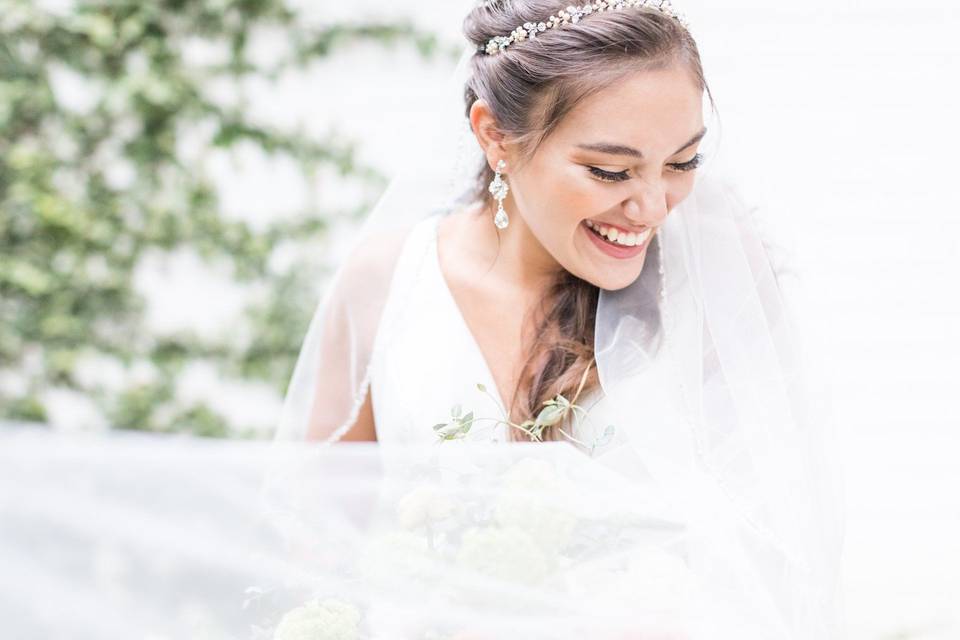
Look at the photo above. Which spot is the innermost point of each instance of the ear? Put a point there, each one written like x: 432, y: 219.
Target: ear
x: 484, y: 127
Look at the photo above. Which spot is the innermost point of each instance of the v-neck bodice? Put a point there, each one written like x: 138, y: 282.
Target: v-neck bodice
x: 426, y: 360
x: 435, y: 270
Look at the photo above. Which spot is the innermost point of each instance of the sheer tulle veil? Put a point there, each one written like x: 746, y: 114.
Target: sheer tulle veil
x: 747, y: 459
x: 733, y: 532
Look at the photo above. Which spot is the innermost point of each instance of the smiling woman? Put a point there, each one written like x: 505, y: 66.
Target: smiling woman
x: 554, y: 265
x: 551, y: 109
x: 558, y: 185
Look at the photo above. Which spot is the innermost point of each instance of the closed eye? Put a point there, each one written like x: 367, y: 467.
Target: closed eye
x: 689, y: 165
x: 609, y: 176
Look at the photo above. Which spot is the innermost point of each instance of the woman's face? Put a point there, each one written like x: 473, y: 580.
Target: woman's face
x: 619, y: 162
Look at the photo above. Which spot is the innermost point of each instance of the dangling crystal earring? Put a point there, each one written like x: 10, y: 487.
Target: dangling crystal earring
x: 499, y: 189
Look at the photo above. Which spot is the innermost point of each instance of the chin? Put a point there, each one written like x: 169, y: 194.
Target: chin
x: 617, y: 280
x: 616, y: 284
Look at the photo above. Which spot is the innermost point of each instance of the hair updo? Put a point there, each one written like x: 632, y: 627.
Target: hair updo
x: 529, y: 88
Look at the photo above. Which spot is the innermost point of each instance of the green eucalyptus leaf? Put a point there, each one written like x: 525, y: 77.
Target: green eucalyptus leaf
x: 450, y: 431
x: 605, y: 437
x: 550, y: 416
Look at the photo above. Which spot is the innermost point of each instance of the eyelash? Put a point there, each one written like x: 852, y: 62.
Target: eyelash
x: 681, y: 167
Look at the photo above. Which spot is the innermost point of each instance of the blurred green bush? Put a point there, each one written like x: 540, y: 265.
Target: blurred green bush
x: 71, y: 236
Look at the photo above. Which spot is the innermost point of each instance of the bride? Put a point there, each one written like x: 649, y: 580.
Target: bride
x: 594, y: 148
x: 557, y: 262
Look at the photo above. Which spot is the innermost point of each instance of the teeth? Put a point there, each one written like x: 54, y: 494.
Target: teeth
x: 619, y: 237
x: 642, y: 237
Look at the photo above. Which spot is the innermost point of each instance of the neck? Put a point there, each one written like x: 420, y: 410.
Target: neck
x: 518, y: 262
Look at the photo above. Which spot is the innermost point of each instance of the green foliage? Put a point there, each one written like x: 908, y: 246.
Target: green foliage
x: 553, y: 414
x: 86, y: 193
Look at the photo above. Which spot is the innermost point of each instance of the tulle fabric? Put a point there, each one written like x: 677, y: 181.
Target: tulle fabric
x: 730, y: 533
x: 701, y: 364
x: 733, y: 531
x: 152, y: 537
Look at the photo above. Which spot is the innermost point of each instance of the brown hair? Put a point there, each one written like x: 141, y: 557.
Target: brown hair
x: 529, y: 88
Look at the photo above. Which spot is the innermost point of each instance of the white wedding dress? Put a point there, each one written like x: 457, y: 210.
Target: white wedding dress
x: 660, y: 527
x: 426, y: 360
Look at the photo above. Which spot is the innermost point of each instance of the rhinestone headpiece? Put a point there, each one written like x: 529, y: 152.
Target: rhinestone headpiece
x: 573, y: 14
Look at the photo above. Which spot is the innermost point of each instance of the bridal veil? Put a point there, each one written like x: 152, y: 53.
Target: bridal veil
x: 747, y: 463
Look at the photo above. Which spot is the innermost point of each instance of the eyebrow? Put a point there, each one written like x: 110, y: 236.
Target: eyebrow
x: 623, y: 150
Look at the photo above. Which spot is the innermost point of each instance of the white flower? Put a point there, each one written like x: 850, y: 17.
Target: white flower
x: 394, y: 557
x: 531, y: 499
x: 506, y: 553
x: 423, y: 505
x: 329, y: 619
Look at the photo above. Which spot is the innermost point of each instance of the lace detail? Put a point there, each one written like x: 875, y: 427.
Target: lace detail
x: 358, y: 400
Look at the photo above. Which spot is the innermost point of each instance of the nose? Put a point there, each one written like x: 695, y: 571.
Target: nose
x: 648, y: 206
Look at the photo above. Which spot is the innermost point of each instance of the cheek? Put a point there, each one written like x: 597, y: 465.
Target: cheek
x: 679, y: 190
x: 561, y: 196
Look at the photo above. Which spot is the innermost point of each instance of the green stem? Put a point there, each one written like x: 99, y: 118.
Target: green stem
x: 506, y: 422
x: 572, y: 438
x: 583, y: 380
x: 503, y: 410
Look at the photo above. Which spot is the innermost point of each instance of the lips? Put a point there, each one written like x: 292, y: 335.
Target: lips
x: 618, y: 235
x: 614, y: 249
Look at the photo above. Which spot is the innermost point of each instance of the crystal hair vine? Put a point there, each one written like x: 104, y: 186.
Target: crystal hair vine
x: 573, y: 14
